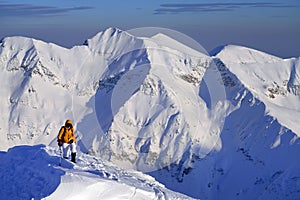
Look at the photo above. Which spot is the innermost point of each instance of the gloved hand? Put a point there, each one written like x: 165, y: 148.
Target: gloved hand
x: 60, y: 142
x: 71, y: 141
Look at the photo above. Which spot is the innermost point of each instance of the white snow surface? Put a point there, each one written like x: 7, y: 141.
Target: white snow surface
x: 33, y: 172
x: 212, y: 127
x: 272, y: 80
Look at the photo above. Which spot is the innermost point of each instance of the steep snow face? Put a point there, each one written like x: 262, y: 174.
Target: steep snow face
x: 257, y: 159
x: 149, y: 109
x: 157, y: 114
x: 274, y: 81
x: 20, y: 67
x: 38, y: 81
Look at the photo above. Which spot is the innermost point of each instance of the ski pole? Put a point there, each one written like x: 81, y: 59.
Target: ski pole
x: 60, y: 155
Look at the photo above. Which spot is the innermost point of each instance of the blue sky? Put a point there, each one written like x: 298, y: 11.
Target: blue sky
x: 270, y: 26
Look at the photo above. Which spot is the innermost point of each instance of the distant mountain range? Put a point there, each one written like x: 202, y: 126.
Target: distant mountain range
x: 219, y: 126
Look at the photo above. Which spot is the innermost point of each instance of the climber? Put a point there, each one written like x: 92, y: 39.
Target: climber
x: 66, y: 139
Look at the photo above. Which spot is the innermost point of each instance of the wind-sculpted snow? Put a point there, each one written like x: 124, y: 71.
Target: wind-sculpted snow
x: 222, y: 126
x: 32, y: 172
x: 26, y: 173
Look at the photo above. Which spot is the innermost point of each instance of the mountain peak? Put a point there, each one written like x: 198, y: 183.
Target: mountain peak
x: 168, y: 41
x: 241, y: 54
x: 105, y: 35
x: 113, y: 41
x: 17, y: 42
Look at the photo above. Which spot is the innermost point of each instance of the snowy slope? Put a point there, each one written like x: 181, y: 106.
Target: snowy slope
x: 260, y: 139
x: 274, y: 81
x: 225, y: 126
x: 32, y: 172
x: 165, y: 85
x: 257, y: 159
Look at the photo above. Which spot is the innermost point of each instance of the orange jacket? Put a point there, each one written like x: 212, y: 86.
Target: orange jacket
x: 67, y: 134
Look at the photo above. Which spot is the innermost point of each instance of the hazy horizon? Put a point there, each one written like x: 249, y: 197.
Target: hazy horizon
x: 269, y: 26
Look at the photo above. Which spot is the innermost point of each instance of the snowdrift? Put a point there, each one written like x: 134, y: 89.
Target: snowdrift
x: 32, y: 172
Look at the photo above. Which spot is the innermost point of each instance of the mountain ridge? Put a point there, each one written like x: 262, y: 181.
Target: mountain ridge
x: 279, y: 91
x: 187, y: 115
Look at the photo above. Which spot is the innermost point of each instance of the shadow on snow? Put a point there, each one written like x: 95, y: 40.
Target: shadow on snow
x: 28, y: 172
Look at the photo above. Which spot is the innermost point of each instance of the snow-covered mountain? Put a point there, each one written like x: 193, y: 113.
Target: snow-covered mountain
x: 165, y: 84
x: 260, y: 137
x: 216, y: 126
